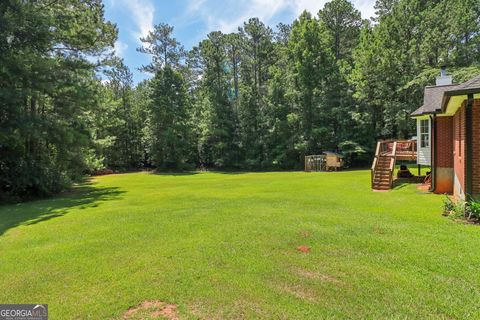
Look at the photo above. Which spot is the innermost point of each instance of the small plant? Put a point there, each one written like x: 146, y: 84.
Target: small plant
x: 472, y: 210
x: 467, y: 210
x: 448, y: 206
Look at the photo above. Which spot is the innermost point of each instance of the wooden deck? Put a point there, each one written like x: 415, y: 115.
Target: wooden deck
x: 386, y: 155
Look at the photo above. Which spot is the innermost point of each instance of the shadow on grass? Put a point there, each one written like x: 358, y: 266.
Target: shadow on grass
x: 175, y: 173
x: 400, y: 183
x: 397, y: 185
x: 191, y: 173
x: 83, y: 196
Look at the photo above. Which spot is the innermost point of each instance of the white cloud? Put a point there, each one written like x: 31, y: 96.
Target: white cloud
x: 231, y: 14
x: 366, y: 7
x: 311, y: 6
x: 142, y: 13
x: 120, y: 48
x: 228, y: 15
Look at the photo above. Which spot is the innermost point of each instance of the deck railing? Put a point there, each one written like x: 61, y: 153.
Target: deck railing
x: 404, y: 149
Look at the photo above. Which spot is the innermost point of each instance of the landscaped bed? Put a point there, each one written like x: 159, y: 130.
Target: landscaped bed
x: 226, y: 245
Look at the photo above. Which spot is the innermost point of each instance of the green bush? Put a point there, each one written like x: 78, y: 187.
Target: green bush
x: 469, y: 210
x: 473, y: 210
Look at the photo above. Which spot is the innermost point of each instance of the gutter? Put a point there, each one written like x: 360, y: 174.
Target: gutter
x: 461, y: 92
x: 437, y: 111
x: 469, y: 143
x: 432, y: 151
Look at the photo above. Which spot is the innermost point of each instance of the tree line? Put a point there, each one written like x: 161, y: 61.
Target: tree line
x: 260, y: 98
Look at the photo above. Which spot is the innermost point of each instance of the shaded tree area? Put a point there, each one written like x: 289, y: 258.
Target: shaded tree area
x: 257, y: 99
x: 48, y: 91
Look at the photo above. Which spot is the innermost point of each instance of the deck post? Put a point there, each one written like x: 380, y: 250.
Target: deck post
x: 419, y: 170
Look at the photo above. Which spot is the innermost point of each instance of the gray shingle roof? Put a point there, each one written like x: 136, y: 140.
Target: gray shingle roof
x: 432, y: 99
x: 471, y: 86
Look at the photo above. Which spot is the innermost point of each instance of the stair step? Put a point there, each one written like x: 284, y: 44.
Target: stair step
x: 381, y: 186
x: 379, y: 174
x: 382, y: 174
x: 384, y: 182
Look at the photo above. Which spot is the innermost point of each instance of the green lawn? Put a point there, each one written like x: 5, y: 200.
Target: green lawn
x: 224, y: 246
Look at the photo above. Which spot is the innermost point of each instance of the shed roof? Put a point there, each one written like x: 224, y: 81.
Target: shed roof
x: 432, y: 99
x: 333, y: 153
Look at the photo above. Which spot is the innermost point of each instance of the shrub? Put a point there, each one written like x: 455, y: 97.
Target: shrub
x: 473, y: 210
x: 469, y: 210
x: 448, y: 206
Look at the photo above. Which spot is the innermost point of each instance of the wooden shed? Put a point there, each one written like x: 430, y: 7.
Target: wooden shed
x: 334, y: 161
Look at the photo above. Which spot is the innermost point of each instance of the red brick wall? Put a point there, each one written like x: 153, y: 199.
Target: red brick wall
x: 459, y: 149
x: 444, y: 155
x: 476, y: 147
x: 444, y: 142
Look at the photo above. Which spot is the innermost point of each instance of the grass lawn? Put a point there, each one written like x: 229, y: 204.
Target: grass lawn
x: 224, y: 246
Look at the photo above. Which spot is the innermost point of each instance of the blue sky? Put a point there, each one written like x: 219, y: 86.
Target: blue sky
x: 194, y: 19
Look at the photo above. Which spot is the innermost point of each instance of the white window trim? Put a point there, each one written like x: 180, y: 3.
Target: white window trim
x: 424, y: 135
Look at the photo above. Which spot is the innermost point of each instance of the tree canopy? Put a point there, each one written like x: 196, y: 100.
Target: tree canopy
x: 257, y: 99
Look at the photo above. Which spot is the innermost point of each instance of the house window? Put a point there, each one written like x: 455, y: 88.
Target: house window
x: 424, y: 133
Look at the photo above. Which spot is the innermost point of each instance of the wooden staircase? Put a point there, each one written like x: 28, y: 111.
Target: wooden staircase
x: 386, y: 155
x: 382, y: 172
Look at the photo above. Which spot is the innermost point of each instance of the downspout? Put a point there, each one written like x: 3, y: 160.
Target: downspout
x: 432, y: 151
x: 469, y: 145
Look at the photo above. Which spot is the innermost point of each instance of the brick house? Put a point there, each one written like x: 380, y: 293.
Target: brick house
x: 448, y: 136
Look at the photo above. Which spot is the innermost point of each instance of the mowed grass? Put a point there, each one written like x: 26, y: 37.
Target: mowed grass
x: 224, y: 246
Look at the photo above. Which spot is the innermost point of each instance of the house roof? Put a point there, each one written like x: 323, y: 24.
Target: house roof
x: 471, y: 86
x: 432, y: 99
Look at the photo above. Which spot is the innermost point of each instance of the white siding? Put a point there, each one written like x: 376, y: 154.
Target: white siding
x: 424, y: 154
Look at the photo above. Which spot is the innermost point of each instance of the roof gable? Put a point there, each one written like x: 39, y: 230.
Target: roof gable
x: 452, y: 98
x: 432, y: 99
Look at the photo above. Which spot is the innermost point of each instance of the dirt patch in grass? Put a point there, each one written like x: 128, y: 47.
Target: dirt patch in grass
x: 304, y: 249
x: 152, y: 310
x: 423, y: 187
x: 304, y: 273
